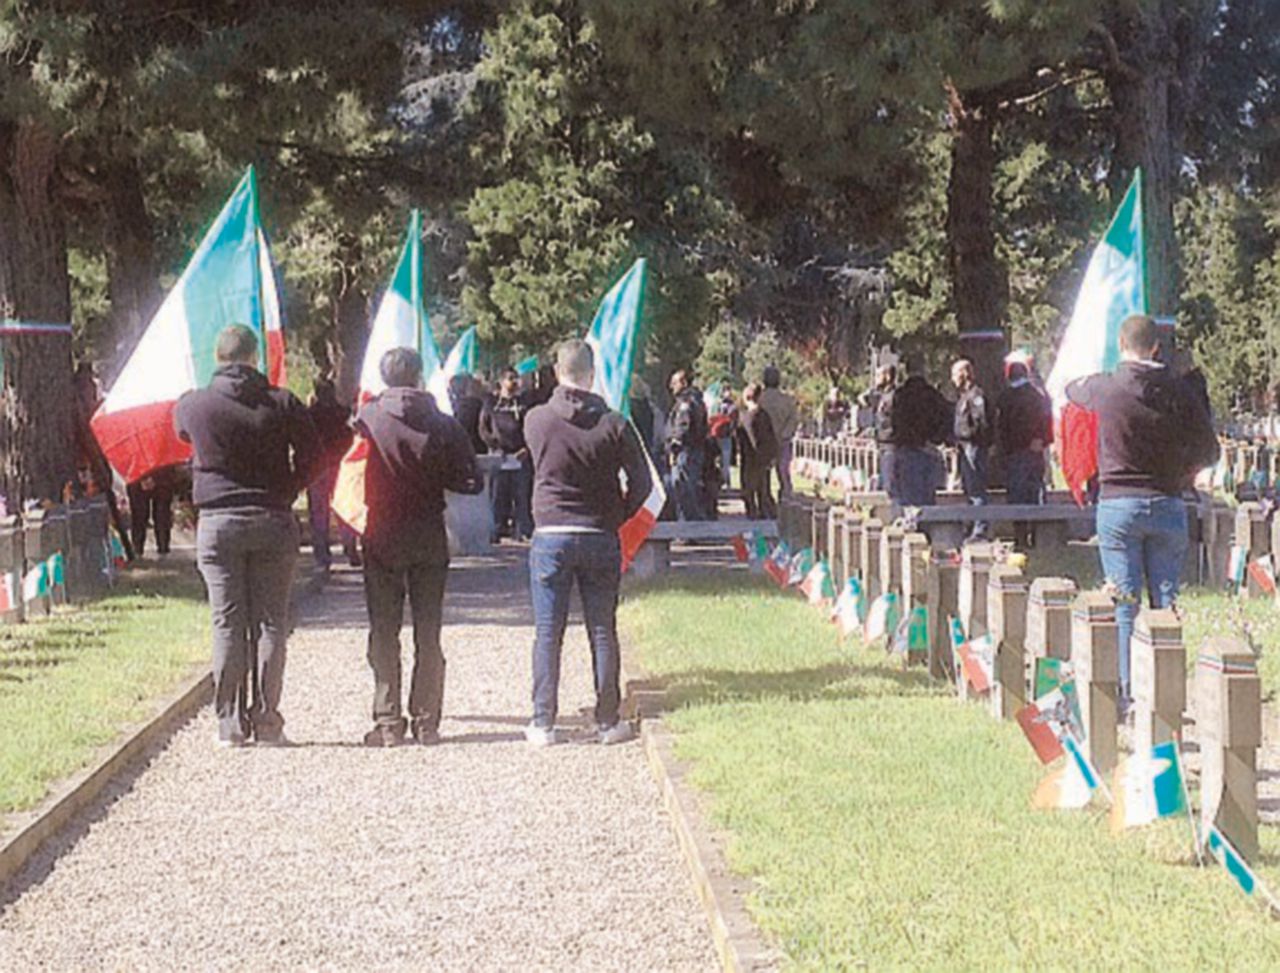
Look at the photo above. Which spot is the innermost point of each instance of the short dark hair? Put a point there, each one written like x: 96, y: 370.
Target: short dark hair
x: 237, y: 344
x: 1017, y: 371
x: 1138, y: 333
x: 509, y: 373
x: 772, y: 377
x: 401, y: 368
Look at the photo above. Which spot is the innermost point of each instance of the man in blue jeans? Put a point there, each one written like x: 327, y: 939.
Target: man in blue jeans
x: 1154, y: 433
x: 579, y: 447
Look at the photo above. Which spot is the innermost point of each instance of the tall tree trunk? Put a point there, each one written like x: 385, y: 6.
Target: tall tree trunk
x: 979, y: 281
x: 1156, y: 57
x: 37, y: 405
x: 350, y: 332
x: 132, y: 277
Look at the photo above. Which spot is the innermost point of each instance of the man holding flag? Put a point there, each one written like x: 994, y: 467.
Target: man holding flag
x: 582, y: 451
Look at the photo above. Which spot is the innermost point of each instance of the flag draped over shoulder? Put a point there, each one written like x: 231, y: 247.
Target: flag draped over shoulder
x: 614, y: 337
x: 401, y: 322
x: 1114, y: 287
x: 229, y: 280
x: 461, y: 361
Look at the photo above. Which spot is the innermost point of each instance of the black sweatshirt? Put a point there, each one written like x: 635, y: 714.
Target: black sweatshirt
x: 1025, y: 414
x: 579, y: 446
x: 757, y: 443
x: 418, y: 452
x: 255, y: 445
x: 919, y: 414
x: 1154, y: 429
x: 502, y: 423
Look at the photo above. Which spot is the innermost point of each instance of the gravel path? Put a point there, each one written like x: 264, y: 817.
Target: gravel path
x: 478, y: 854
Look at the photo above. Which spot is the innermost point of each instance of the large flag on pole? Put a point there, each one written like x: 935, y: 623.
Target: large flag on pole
x: 461, y: 361
x: 228, y: 281
x: 401, y: 322
x: 615, y: 338
x: 1114, y: 287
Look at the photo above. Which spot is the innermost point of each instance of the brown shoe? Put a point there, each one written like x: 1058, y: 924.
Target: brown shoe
x: 384, y: 736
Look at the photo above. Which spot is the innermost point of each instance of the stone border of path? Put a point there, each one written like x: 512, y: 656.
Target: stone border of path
x: 60, y: 808
x: 738, y: 942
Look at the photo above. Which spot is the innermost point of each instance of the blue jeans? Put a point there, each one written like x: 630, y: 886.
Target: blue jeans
x: 973, y: 476
x: 556, y: 561
x: 915, y: 476
x: 686, y: 483
x: 1137, y: 537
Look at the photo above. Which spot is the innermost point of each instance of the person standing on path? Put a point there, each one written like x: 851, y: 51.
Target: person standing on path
x: 502, y: 428
x: 972, y: 431
x: 332, y: 420
x: 785, y: 416
x: 255, y: 449
x: 579, y: 449
x: 1026, y: 430
x: 151, y: 502
x: 921, y: 418
x: 687, y: 446
x: 1154, y: 433
x: 758, y: 451
x: 878, y: 402
x: 418, y: 452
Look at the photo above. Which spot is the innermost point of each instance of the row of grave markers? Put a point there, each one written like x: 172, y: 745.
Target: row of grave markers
x: 975, y: 612
x: 55, y: 556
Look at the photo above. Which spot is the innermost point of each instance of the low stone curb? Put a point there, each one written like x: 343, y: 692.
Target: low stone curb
x: 738, y: 942
x: 73, y: 796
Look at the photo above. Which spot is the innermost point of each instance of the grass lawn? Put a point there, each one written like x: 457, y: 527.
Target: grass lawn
x: 70, y: 683
x: 887, y: 824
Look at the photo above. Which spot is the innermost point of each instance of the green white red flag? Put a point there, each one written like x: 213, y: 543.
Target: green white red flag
x: 229, y: 280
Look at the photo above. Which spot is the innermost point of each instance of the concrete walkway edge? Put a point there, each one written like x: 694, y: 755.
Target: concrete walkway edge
x: 68, y: 799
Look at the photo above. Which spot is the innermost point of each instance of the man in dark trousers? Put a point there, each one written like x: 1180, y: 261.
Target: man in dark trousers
x: 151, y: 501
x: 502, y: 428
x: 417, y: 453
x: 255, y: 449
x: 920, y: 418
x: 757, y: 451
x: 686, y: 446
x: 579, y: 449
x: 1154, y: 434
x: 332, y: 420
x: 972, y: 431
x: 878, y: 401
x: 1025, y: 425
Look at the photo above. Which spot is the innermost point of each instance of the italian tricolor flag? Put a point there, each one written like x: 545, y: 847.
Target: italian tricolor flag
x: 230, y: 280
x: 401, y: 322
x: 615, y: 338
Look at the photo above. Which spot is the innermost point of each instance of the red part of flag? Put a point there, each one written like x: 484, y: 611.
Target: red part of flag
x: 1044, y: 741
x: 140, y: 440
x: 1077, y: 436
x: 740, y: 548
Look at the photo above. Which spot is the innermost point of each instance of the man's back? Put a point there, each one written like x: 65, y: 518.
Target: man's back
x: 578, y: 447
x: 418, y: 453
x: 783, y: 412
x: 1025, y: 417
x: 255, y: 446
x: 919, y: 414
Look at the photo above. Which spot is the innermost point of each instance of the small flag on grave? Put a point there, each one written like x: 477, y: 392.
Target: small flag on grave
x: 1045, y: 722
x: 57, y: 571
x: 801, y: 565
x: 1050, y: 674
x: 36, y: 583
x: 848, y: 609
x: 778, y: 563
x: 8, y: 592
x: 1148, y: 787
x: 1238, y: 868
x: 1236, y: 564
x: 1263, y: 573
x: 817, y: 585
x: 977, y: 662
x: 741, y: 549
x: 1064, y: 789
x: 882, y: 617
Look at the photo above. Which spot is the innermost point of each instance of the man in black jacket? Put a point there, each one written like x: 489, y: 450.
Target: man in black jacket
x: 502, y: 428
x: 921, y: 418
x: 1154, y: 433
x: 255, y: 449
x: 417, y: 453
x: 332, y: 420
x: 1025, y: 424
x: 579, y: 449
x: 686, y: 446
x: 972, y: 431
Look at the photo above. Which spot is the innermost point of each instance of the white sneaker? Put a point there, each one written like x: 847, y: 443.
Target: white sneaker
x: 620, y: 732
x: 541, y: 736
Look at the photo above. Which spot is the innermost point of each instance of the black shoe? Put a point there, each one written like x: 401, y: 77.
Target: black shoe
x: 384, y: 736
x: 425, y: 734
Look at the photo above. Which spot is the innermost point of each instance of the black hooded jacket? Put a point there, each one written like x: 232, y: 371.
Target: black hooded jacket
x: 418, y: 452
x: 578, y: 447
x: 255, y: 445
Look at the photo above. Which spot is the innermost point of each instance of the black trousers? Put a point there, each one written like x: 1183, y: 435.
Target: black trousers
x: 385, y: 587
x: 154, y: 505
x: 756, y: 491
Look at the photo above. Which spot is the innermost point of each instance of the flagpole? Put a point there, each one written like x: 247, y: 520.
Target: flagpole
x: 1186, y: 799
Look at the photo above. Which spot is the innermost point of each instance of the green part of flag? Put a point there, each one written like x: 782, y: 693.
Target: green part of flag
x: 527, y: 365
x: 57, y: 569
x: 1128, y: 271
x: 1235, y: 865
x: 1050, y: 674
x: 918, y: 630
x: 615, y: 337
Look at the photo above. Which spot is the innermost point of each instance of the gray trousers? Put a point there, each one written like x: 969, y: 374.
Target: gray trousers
x: 247, y: 557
